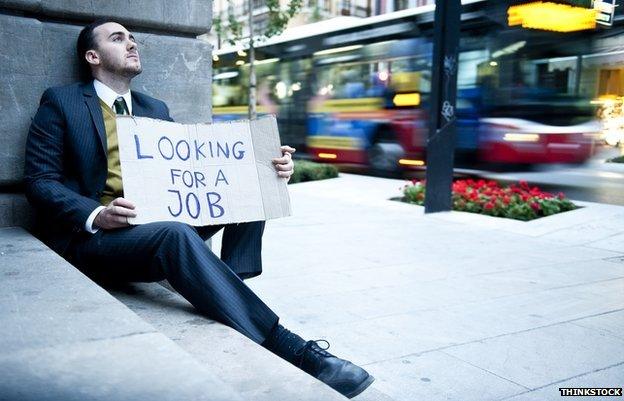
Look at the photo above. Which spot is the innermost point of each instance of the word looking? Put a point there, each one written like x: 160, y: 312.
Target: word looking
x: 184, y: 150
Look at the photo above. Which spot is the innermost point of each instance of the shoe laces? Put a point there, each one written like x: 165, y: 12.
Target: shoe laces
x: 315, y: 347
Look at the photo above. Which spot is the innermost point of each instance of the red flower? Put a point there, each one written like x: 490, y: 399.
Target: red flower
x: 535, y: 206
x: 489, y: 206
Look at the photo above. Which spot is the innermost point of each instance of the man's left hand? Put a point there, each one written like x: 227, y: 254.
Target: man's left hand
x: 284, y: 165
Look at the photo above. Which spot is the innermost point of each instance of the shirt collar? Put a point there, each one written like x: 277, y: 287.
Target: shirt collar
x: 109, y: 96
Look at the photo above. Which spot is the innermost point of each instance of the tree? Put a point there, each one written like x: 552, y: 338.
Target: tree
x: 233, y: 33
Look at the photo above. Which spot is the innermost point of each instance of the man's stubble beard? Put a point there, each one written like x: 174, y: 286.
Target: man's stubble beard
x: 128, y: 73
x: 125, y: 72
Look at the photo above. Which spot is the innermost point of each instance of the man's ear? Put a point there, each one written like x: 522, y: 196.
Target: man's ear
x: 92, y: 57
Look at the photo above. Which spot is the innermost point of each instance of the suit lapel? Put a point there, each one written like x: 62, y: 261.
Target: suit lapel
x: 93, y: 103
x: 138, y: 110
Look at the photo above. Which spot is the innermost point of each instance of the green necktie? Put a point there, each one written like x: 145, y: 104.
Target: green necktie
x: 120, y: 106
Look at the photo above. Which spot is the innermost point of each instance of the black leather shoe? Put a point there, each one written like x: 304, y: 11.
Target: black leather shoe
x: 341, y: 375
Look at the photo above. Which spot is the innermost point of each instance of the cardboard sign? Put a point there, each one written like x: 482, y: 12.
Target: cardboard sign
x: 201, y: 174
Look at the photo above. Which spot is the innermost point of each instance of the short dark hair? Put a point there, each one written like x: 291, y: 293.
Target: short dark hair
x: 85, y: 42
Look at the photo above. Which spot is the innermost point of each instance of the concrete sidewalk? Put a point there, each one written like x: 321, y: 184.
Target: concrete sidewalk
x: 450, y: 306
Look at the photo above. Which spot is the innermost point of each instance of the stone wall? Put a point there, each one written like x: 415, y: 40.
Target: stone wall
x: 38, y: 51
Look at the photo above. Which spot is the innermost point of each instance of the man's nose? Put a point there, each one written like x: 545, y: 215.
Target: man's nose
x: 131, y: 45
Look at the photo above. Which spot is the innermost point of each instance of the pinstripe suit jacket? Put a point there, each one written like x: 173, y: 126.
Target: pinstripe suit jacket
x: 66, y: 158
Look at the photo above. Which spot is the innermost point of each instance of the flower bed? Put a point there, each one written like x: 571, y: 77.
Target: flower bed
x: 619, y: 159
x: 519, y: 202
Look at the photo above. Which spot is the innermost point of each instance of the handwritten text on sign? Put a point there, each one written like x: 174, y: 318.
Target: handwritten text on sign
x: 201, y: 174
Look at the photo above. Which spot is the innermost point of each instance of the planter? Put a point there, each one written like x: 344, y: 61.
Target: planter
x: 519, y: 202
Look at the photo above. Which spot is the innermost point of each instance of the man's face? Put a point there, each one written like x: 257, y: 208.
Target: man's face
x: 116, y: 49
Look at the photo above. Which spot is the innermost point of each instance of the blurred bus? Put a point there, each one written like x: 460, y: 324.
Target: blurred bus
x: 352, y: 90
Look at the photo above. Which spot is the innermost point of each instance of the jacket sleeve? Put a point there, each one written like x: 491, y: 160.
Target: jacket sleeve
x: 44, y: 168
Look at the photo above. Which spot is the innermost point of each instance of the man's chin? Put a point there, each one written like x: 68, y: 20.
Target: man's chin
x: 133, y: 71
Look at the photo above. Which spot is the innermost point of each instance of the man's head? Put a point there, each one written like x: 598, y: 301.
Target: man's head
x: 106, y: 47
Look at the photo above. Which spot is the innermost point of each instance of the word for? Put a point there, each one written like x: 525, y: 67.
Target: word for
x: 195, y: 179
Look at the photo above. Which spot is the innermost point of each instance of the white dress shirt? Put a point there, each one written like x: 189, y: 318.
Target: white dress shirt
x: 108, y: 96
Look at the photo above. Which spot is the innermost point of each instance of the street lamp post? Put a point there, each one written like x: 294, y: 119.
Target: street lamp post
x: 441, y: 141
x: 252, y: 68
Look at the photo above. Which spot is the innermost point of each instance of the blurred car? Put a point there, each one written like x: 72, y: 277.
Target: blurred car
x: 515, y: 140
x: 530, y: 127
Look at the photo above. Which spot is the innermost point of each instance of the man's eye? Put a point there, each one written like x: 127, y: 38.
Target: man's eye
x: 116, y: 39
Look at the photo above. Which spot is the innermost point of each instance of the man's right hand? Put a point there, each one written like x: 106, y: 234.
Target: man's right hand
x: 115, y: 214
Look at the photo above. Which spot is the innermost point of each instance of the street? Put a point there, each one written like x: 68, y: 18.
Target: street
x: 594, y: 181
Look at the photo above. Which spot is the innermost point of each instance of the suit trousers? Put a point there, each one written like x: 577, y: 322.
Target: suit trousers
x: 177, y: 252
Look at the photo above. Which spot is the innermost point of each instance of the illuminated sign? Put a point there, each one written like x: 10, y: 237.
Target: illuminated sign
x: 407, y: 99
x: 552, y: 17
x: 604, y: 11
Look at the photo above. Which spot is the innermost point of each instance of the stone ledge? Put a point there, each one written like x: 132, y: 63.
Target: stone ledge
x: 181, y: 16
x: 15, y: 211
x: 63, y: 337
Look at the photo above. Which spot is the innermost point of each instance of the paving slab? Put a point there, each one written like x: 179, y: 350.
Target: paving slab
x: 438, y: 376
x: 590, y: 232
x: 613, y: 243
x: 604, y: 378
x: 610, y: 322
x: 538, y: 357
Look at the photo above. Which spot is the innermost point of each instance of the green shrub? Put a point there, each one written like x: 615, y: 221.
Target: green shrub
x: 311, y: 171
x: 619, y: 159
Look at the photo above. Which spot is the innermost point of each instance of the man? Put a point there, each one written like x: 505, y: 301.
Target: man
x: 73, y: 179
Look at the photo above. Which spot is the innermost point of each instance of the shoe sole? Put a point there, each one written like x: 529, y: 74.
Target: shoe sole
x: 363, y: 386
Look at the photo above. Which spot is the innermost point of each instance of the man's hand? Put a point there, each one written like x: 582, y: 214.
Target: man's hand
x: 284, y: 165
x: 115, y: 215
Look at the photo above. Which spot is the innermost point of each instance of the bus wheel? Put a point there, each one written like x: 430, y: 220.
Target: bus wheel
x: 383, y: 158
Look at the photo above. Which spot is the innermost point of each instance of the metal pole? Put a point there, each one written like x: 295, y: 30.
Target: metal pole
x: 441, y: 142
x: 252, y: 68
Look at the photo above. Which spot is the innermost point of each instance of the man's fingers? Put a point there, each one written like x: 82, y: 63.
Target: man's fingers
x: 284, y: 174
x: 282, y: 160
x: 115, y: 215
x: 284, y: 167
x: 287, y: 149
x: 121, y: 220
x: 123, y: 202
x: 122, y: 211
